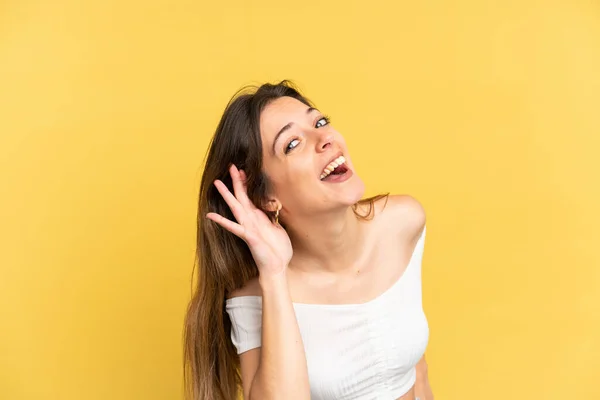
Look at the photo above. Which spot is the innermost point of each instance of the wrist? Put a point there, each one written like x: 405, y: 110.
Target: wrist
x: 273, y: 282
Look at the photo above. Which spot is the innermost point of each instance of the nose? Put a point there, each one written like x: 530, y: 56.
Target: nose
x: 324, y: 141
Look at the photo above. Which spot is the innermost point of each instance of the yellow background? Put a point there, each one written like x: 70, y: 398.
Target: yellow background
x: 487, y: 112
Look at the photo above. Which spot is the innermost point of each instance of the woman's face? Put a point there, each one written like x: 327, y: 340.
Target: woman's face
x: 306, y: 159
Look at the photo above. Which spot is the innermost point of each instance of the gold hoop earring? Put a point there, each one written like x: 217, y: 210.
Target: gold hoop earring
x: 277, y: 216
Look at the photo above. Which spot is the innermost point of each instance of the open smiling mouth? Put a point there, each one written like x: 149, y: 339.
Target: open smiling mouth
x: 336, y: 171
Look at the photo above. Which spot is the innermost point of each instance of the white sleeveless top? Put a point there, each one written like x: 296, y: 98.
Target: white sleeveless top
x: 354, y: 351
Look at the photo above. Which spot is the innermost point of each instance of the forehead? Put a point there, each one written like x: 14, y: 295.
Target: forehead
x: 280, y: 112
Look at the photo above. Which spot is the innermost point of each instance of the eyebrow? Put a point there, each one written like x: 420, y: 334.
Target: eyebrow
x: 288, y: 126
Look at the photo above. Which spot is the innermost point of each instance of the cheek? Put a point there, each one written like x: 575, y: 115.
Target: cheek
x: 290, y: 181
x: 300, y: 177
x: 297, y: 181
x: 295, y: 175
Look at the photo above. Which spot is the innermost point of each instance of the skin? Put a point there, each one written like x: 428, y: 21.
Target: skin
x: 336, y: 257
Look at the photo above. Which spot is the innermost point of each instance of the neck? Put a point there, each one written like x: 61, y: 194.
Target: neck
x: 326, y: 242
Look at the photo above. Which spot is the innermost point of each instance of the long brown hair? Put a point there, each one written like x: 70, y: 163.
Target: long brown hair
x: 211, y: 363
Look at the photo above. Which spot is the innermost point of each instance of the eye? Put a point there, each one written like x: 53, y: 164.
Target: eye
x: 324, y: 120
x: 291, y: 145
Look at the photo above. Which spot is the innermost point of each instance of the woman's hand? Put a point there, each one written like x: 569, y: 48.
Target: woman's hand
x: 269, y: 243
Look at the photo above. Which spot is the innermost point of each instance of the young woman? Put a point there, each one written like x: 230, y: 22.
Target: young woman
x: 304, y: 290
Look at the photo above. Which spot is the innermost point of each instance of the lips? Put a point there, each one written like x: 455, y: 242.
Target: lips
x: 338, y: 178
x: 337, y: 166
x: 332, y: 166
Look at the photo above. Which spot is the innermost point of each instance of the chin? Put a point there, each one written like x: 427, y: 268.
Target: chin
x: 353, y: 192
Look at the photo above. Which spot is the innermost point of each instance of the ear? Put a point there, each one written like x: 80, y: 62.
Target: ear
x: 273, y: 205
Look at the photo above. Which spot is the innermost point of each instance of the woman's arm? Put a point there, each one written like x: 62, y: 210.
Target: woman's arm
x: 278, y: 370
x: 422, y: 386
x: 282, y: 371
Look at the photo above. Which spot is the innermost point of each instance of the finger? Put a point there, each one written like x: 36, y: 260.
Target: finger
x: 250, y: 204
x: 231, y: 226
x: 238, y: 185
x: 244, y: 180
x: 236, y: 208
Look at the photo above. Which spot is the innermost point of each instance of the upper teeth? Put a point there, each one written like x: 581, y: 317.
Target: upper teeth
x: 332, y: 165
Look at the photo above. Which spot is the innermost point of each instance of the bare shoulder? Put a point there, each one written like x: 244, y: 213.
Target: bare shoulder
x: 406, y: 206
x: 404, y: 213
x: 251, y: 288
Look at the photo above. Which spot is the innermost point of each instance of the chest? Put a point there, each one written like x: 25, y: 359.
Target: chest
x: 368, y: 351
x: 380, y: 264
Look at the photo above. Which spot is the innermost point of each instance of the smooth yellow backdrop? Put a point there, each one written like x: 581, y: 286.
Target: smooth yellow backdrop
x: 487, y: 112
